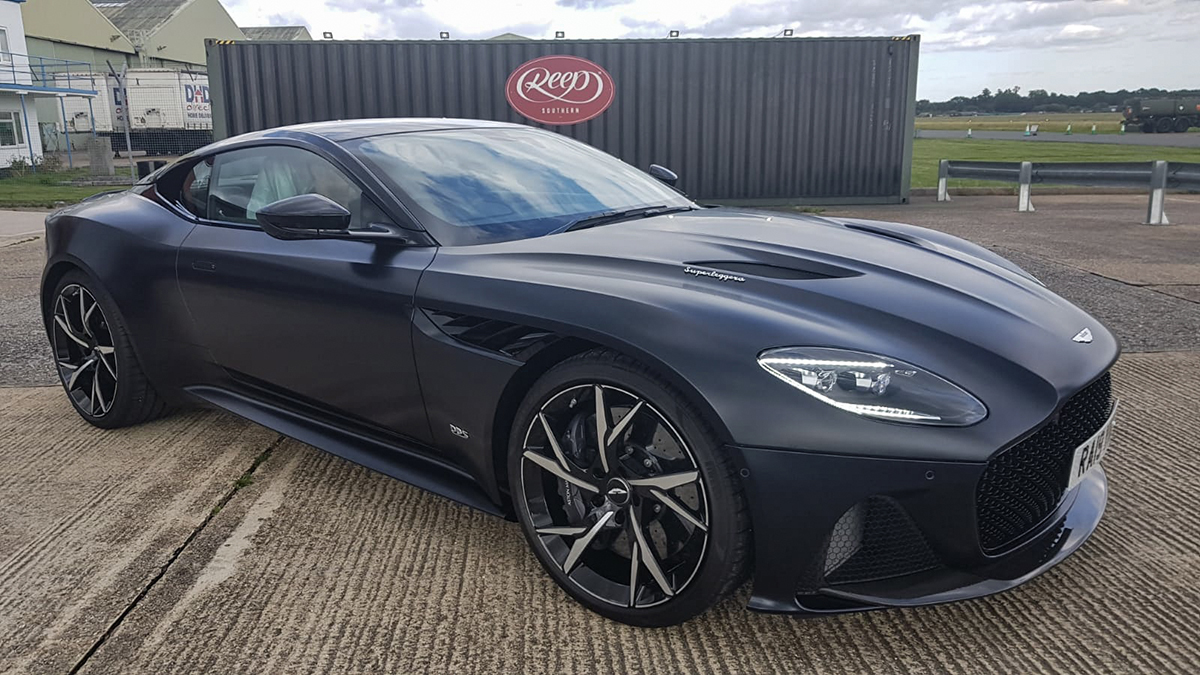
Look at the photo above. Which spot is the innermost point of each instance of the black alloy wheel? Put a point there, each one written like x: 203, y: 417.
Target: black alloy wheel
x: 626, y: 525
x: 94, y: 357
x: 84, y: 352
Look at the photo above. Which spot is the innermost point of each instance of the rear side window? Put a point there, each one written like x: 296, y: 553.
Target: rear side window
x: 193, y: 192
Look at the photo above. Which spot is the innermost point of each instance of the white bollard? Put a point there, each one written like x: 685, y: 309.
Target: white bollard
x: 1157, y: 214
x: 1024, y: 200
x: 943, y: 175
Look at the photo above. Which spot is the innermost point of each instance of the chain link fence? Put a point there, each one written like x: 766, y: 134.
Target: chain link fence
x: 145, y: 118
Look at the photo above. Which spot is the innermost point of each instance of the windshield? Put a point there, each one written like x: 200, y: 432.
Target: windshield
x: 476, y: 186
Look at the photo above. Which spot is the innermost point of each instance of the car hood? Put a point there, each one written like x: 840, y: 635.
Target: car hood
x: 722, y: 284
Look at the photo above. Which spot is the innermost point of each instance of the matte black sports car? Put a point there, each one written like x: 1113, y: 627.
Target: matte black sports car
x: 668, y: 397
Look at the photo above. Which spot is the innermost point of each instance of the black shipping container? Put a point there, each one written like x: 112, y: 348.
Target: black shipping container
x: 753, y: 121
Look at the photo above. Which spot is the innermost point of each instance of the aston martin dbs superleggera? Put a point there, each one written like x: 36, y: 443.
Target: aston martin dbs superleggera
x: 668, y: 397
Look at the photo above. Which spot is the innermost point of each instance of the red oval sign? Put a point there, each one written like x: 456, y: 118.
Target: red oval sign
x: 559, y: 89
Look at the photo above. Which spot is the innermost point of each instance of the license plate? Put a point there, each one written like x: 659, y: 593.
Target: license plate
x: 1088, y: 455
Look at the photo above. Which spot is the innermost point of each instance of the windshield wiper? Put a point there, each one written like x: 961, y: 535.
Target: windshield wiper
x: 606, y: 217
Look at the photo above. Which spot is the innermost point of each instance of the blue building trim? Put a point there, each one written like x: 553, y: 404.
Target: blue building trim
x: 52, y: 91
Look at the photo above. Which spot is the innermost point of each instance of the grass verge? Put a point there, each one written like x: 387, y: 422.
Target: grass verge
x: 46, y: 190
x: 1081, y: 123
x: 927, y: 152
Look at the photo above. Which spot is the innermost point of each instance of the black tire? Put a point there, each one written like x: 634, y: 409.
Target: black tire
x: 1163, y: 125
x: 1182, y: 124
x: 699, y: 581
x: 131, y: 398
x: 1147, y: 127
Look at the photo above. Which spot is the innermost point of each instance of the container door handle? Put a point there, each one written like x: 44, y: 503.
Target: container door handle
x: 204, y: 266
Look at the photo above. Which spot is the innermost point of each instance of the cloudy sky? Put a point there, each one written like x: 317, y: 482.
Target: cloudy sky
x: 1059, y: 45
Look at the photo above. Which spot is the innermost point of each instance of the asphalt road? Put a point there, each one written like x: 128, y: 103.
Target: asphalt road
x: 204, y: 543
x: 1189, y: 140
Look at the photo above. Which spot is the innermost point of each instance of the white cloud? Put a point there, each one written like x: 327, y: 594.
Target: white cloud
x: 1065, y: 45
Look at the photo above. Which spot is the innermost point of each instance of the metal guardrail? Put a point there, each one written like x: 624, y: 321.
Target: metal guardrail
x: 1156, y: 176
x: 45, y: 73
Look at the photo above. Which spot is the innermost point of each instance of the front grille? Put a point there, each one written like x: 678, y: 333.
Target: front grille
x: 1022, y: 485
x: 876, y: 539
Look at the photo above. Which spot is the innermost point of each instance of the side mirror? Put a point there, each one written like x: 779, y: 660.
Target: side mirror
x: 664, y: 174
x: 304, y: 217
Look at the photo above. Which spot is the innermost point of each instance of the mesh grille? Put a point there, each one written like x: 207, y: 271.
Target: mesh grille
x: 1024, y: 484
x: 876, y: 540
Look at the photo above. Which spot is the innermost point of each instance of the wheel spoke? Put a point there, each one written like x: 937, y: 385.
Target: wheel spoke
x: 85, y: 313
x: 619, y: 429
x: 633, y: 574
x: 553, y: 467
x: 96, y: 395
x: 564, y: 531
x: 62, y: 323
x: 648, y: 557
x: 558, y: 453
x: 601, y: 427
x: 79, y: 371
x: 678, y: 508
x: 666, y: 481
x: 112, y: 370
x: 582, y: 543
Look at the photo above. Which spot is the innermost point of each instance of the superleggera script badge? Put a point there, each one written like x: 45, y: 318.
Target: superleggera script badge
x: 719, y: 276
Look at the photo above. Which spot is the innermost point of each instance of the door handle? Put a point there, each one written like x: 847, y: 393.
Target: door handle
x: 204, y: 266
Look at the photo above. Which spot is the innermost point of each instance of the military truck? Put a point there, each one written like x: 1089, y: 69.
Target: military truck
x: 1163, y: 115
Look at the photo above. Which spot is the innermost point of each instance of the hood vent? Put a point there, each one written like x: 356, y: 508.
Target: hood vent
x: 882, y: 232
x: 792, y: 269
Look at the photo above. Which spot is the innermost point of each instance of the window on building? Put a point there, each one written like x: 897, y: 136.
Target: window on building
x: 10, y: 129
x: 5, y: 57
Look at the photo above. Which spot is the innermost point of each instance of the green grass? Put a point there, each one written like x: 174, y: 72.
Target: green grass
x: 927, y: 152
x: 1081, y: 123
x: 46, y: 189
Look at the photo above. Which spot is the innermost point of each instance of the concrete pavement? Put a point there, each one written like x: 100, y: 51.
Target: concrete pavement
x: 202, y: 543
x: 21, y: 225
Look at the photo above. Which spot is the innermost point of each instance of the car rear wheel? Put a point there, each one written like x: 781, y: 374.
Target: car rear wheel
x: 94, y: 358
x: 1182, y: 124
x: 648, y: 527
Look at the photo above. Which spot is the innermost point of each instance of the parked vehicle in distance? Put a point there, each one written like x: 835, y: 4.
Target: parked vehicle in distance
x: 668, y: 397
x: 169, y: 111
x: 1163, y: 115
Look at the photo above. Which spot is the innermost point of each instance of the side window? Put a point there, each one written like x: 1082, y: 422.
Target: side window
x: 193, y: 192
x: 247, y: 180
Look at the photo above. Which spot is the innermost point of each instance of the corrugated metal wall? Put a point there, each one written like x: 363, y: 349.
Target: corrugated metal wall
x: 749, y: 120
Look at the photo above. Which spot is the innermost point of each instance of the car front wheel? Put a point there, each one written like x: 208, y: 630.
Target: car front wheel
x: 624, y: 493
x: 94, y: 358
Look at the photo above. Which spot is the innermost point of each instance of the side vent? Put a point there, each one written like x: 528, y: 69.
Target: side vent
x: 510, y: 339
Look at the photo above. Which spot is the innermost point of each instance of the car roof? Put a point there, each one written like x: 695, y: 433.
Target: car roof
x: 345, y: 130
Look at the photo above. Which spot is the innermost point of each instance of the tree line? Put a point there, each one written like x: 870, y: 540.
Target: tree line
x: 1039, y: 100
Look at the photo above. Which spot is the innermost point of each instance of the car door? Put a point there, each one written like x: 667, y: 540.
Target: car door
x: 322, y: 322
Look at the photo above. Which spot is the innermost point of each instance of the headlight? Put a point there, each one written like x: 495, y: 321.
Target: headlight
x: 873, y: 386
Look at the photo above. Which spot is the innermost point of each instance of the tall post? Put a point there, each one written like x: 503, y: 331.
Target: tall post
x: 122, y: 83
x: 62, y: 104
x: 1024, y: 202
x: 943, y: 175
x: 92, y: 115
x: 28, y: 138
x: 1156, y: 214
